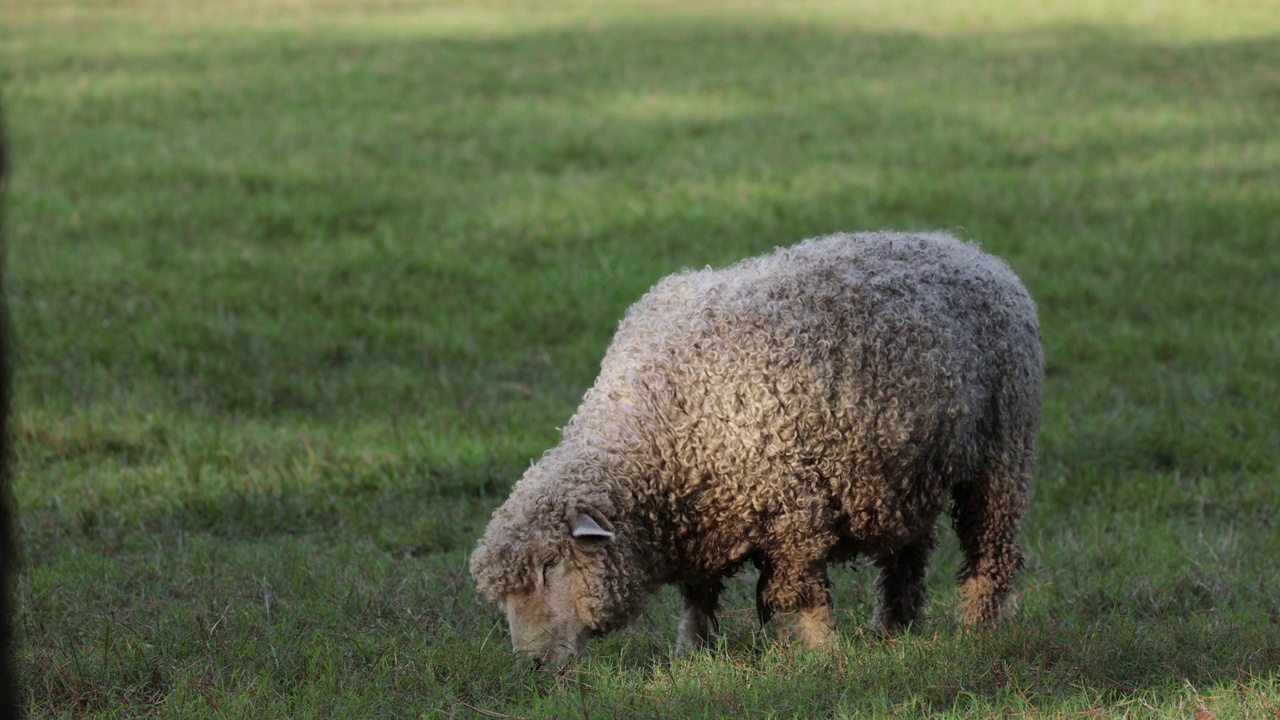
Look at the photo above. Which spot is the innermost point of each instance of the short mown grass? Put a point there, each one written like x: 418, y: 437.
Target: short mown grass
x: 299, y: 289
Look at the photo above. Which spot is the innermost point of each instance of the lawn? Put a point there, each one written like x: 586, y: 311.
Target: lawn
x: 299, y: 289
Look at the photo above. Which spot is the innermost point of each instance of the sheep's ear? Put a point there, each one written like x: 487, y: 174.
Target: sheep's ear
x: 585, y: 526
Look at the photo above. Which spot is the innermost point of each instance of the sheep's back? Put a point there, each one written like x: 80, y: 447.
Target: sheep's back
x: 840, y: 372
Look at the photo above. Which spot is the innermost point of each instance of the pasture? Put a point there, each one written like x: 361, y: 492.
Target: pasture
x: 299, y: 289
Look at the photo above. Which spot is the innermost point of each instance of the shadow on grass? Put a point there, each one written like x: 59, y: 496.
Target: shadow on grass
x: 1020, y: 669
x: 484, y: 210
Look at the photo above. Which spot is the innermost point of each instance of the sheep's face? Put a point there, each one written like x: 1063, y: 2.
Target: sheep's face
x: 545, y: 623
x: 550, y: 621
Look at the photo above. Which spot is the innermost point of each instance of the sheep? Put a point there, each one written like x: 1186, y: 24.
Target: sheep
x: 806, y: 407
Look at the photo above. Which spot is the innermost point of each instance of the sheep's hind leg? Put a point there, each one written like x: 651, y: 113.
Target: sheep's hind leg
x: 697, y: 617
x: 900, y: 586
x: 986, y: 516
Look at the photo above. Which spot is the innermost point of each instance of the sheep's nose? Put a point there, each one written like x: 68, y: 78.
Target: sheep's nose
x: 538, y: 664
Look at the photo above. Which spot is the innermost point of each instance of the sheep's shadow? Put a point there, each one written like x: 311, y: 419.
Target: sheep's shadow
x: 1041, y: 657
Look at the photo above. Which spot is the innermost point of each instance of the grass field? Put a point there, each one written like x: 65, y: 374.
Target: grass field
x: 300, y: 288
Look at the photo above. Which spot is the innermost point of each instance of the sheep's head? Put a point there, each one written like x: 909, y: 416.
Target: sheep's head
x: 561, y: 558
x: 552, y: 560
x: 551, y: 619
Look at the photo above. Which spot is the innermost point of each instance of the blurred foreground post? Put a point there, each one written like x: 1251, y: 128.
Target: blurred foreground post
x: 8, y: 699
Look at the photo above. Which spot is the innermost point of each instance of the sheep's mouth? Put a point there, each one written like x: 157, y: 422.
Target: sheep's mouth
x: 554, y: 661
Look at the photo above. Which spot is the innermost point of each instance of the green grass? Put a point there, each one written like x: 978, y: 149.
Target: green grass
x: 300, y: 288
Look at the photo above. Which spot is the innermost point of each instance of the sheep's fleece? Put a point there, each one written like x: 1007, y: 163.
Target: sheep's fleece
x: 822, y: 402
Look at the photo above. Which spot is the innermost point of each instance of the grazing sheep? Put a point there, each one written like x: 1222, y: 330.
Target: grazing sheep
x: 825, y: 401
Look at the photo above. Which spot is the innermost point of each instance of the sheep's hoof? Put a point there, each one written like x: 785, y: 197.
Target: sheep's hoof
x: 688, y: 643
x: 813, y: 627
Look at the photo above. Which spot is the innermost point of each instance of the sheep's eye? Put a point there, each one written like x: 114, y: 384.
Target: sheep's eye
x: 546, y: 567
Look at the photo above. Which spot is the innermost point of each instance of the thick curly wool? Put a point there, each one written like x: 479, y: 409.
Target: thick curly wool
x: 827, y: 400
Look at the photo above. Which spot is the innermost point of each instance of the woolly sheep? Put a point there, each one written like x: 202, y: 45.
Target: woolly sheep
x: 805, y: 407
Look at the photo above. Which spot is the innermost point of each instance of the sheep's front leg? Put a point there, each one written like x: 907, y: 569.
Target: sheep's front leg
x: 900, y: 586
x: 813, y: 625
x: 801, y: 591
x: 697, y: 617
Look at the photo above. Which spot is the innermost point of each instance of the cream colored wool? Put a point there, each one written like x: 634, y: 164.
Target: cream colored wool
x: 824, y: 401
